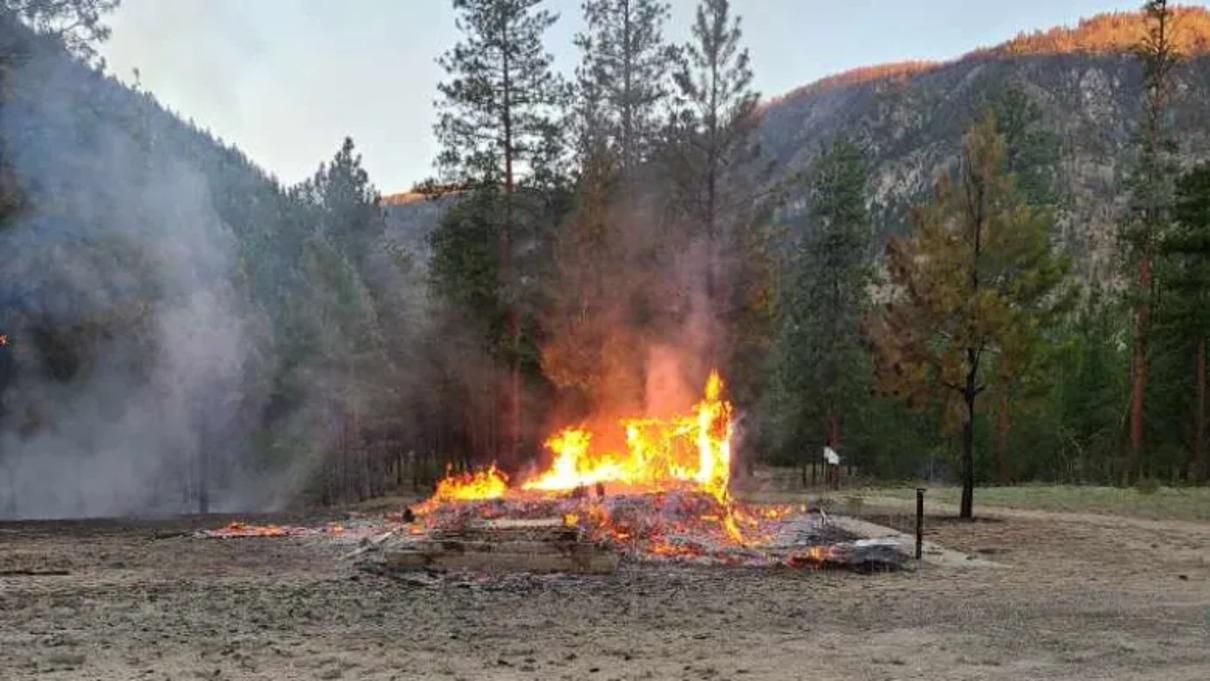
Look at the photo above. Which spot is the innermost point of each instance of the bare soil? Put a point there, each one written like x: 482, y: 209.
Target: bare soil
x: 1083, y: 597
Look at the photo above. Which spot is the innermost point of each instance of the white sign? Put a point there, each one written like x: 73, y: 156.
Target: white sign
x: 830, y: 456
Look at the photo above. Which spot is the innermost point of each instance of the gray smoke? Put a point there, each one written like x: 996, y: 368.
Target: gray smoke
x: 117, y: 234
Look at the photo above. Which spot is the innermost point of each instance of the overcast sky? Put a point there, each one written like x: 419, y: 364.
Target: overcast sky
x: 286, y: 80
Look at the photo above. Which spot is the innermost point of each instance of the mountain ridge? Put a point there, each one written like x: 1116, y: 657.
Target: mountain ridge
x: 1100, y: 34
x: 910, y: 118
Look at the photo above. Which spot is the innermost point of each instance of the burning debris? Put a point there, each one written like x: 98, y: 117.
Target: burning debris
x: 664, y: 498
x: 238, y: 529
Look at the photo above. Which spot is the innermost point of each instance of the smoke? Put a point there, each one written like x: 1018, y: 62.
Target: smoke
x: 634, y: 329
x: 129, y: 341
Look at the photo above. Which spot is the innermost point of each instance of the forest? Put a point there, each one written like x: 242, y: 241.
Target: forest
x: 181, y: 330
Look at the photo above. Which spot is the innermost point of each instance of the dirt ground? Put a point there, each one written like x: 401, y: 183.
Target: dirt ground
x: 1079, y: 597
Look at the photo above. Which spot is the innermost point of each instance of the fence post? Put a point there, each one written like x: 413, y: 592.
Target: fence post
x: 919, y: 522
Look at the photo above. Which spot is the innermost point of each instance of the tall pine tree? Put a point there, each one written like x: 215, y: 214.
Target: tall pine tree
x: 1032, y: 157
x: 712, y: 146
x: 497, y: 128
x: 1151, y: 202
x: 626, y: 66
x: 820, y: 363
x: 1185, y: 310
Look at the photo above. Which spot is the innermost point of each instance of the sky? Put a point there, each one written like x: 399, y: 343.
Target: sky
x: 287, y: 80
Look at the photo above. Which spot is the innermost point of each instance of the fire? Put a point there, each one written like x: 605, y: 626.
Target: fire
x: 241, y: 529
x: 660, y: 453
x: 488, y: 483
x: 691, y: 451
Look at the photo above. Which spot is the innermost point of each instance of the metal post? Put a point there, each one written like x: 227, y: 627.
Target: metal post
x: 919, y: 522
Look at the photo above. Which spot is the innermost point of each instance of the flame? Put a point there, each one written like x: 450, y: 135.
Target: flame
x: 688, y: 451
x: 241, y: 529
x: 487, y: 483
x: 660, y: 453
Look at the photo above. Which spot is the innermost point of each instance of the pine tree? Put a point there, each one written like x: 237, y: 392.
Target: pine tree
x: 497, y: 129
x: 333, y: 329
x: 580, y: 303
x: 1151, y: 201
x: 1185, y: 311
x: 972, y: 289
x: 625, y: 66
x: 1032, y: 158
x: 712, y: 138
x: 820, y: 363
x: 350, y: 213
x: 1032, y: 146
x: 75, y: 23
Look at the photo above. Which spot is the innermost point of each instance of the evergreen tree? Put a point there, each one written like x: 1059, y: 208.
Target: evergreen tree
x: 497, y: 129
x: 350, y: 215
x: 820, y: 363
x: 625, y: 66
x: 579, y: 307
x: 972, y: 290
x: 1032, y: 158
x: 1032, y: 146
x: 712, y: 144
x: 1151, y: 201
x: 75, y: 23
x: 1089, y: 387
x: 1185, y: 310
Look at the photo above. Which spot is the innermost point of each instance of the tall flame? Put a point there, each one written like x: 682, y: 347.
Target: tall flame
x: 661, y: 453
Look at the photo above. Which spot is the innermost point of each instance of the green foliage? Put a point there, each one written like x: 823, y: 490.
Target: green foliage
x: 581, y: 305
x: 712, y: 133
x: 1185, y: 250
x: 347, y: 204
x: 1032, y: 149
x: 624, y: 70
x: 497, y: 109
x: 821, y: 373
x: 1076, y: 431
x: 972, y: 292
x: 465, y: 267
x: 1151, y: 181
x: 1151, y: 198
x: 1183, y: 326
x: 74, y: 23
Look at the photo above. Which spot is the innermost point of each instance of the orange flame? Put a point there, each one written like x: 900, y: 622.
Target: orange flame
x: 488, y: 483
x: 660, y: 453
x: 692, y: 451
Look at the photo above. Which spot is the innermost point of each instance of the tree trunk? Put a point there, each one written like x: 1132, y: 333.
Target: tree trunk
x: 1138, y: 383
x: 712, y: 181
x: 966, y: 510
x: 507, y: 455
x: 1197, y: 468
x: 969, y: 394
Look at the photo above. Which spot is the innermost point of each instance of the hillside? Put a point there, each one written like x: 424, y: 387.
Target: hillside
x: 153, y: 269
x: 1084, y: 80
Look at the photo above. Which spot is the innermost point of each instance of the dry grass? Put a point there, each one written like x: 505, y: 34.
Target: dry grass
x: 1164, y: 503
